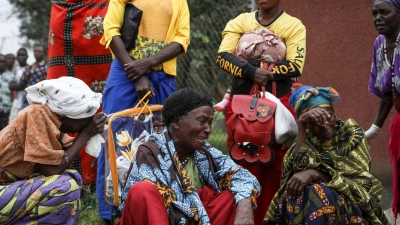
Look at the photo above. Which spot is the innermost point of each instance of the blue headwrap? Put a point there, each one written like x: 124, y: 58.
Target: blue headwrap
x: 394, y: 3
x: 307, y: 97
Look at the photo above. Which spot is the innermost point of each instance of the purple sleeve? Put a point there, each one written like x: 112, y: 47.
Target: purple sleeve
x: 372, y: 88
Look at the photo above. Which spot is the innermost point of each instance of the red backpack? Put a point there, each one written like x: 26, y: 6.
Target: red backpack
x: 252, y: 127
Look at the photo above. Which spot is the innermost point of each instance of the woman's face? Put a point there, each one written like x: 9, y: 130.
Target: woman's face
x: 69, y: 125
x: 325, y: 131
x: 266, y: 4
x: 194, y: 128
x: 386, y: 18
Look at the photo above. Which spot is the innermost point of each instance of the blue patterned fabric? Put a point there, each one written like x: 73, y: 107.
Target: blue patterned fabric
x: 157, y: 165
x: 307, y: 97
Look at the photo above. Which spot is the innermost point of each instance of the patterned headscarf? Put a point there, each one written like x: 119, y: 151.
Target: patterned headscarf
x: 307, y: 97
x: 65, y: 96
x: 394, y: 3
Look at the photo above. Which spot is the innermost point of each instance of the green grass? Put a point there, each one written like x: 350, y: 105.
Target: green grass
x: 218, y: 135
x: 89, y: 212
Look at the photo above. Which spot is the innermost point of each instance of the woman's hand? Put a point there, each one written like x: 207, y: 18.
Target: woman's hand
x: 66, y: 140
x: 137, y: 68
x: 315, y: 116
x: 142, y: 86
x: 244, y: 213
x: 95, y: 126
x: 296, y: 184
x: 262, y: 76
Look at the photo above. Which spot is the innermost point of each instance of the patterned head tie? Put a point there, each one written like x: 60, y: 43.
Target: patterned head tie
x: 394, y: 3
x: 65, y: 96
x: 305, y: 98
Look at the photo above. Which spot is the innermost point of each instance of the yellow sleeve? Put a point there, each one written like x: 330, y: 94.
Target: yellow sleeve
x: 182, y: 35
x: 113, y: 21
x: 231, y: 34
x: 296, y: 45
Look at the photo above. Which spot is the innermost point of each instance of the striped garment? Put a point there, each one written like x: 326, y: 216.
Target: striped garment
x: 353, y: 194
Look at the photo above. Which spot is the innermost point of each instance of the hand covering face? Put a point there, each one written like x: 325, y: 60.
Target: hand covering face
x: 306, y: 97
x: 65, y: 96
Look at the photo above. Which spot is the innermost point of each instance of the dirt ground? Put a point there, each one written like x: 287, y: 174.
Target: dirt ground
x: 340, y: 37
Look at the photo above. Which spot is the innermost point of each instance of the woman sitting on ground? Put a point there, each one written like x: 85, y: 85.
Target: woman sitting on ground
x: 36, y: 186
x: 326, y: 177
x: 177, y: 177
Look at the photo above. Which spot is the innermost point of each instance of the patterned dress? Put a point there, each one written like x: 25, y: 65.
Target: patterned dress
x: 157, y: 162
x: 26, y: 196
x: 351, y: 197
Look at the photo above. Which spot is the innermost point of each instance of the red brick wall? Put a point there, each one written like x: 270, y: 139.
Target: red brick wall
x: 340, y: 37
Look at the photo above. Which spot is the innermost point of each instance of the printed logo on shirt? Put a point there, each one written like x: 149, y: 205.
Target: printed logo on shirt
x: 233, y: 69
x: 299, y: 59
x: 284, y: 69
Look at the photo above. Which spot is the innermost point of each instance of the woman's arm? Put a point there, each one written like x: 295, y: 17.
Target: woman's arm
x: 296, y: 184
x: 314, y: 116
x: 137, y: 68
x: 94, y: 127
x: 244, y: 213
x: 383, y: 111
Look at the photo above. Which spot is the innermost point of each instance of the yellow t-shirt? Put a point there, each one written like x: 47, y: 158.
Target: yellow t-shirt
x: 178, y: 27
x: 289, y: 28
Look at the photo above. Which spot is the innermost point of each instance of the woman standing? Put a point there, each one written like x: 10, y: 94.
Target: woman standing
x: 293, y: 34
x: 385, y: 81
x: 149, y: 66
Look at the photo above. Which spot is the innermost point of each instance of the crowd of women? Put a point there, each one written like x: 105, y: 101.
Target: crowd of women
x: 176, y: 177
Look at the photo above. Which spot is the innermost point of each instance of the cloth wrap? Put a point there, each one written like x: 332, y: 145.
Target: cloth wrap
x: 307, y: 97
x: 65, y: 96
x: 394, y: 3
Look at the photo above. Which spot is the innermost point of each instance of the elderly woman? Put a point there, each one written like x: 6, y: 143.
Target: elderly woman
x: 36, y: 186
x: 178, y: 178
x: 384, y: 81
x: 326, y: 177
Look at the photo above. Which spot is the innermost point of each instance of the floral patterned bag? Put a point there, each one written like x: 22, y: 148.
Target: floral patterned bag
x: 126, y: 130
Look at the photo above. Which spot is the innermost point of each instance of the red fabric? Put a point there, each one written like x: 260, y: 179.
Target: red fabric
x: 220, y: 207
x: 267, y: 175
x: 145, y: 206
x: 394, y: 150
x: 74, y: 50
x: 84, y: 31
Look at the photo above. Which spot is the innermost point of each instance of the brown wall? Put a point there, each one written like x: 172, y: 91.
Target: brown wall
x: 340, y: 37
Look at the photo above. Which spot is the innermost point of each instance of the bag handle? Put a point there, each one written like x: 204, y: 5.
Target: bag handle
x: 144, y: 105
x: 256, y: 86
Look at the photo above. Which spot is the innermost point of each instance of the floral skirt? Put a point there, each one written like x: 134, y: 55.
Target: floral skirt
x: 42, y: 200
x: 320, y: 205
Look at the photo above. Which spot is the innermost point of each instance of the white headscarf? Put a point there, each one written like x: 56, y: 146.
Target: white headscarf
x: 65, y: 96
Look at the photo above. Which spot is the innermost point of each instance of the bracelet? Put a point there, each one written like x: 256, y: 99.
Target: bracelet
x: 66, y: 157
